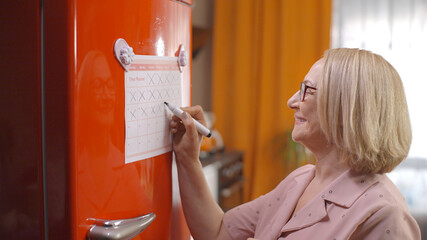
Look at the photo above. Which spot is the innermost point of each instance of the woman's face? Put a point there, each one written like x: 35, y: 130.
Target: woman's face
x: 102, y: 92
x: 307, y: 127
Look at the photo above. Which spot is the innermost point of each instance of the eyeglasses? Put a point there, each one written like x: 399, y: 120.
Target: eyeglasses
x: 303, y: 90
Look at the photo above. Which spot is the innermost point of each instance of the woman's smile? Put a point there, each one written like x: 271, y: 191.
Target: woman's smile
x: 299, y: 120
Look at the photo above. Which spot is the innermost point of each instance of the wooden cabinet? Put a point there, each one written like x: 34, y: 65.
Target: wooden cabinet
x: 229, y: 167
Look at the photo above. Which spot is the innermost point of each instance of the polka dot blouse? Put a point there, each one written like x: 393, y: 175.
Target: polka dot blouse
x: 351, y: 207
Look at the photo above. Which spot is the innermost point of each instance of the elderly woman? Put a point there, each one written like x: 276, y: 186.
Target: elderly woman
x: 351, y: 113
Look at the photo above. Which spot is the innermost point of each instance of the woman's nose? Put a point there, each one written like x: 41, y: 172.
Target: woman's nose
x: 294, y: 101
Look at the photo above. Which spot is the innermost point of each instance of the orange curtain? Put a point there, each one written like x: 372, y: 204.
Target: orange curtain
x: 262, y: 50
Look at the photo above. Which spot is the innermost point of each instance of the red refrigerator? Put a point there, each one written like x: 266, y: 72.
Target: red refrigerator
x: 62, y: 120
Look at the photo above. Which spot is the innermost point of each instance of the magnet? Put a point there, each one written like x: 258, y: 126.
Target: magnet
x: 123, y: 53
x: 182, y: 57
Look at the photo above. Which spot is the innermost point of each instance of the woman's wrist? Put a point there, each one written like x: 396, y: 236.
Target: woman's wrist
x: 187, y: 159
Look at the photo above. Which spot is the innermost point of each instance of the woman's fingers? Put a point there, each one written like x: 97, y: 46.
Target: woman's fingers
x: 176, y: 119
x: 185, y: 122
x: 196, y: 112
x: 188, y: 122
x: 175, y: 125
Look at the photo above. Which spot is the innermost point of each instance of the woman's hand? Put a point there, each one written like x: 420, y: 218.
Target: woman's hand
x: 186, y: 139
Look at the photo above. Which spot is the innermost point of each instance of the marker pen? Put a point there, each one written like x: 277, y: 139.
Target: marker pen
x: 178, y: 112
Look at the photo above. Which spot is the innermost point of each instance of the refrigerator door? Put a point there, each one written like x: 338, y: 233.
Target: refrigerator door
x: 79, y: 40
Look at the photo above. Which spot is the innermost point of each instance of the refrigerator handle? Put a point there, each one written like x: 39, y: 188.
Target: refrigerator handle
x: 118, y: 229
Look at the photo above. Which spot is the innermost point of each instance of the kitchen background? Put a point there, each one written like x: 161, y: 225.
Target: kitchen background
x: 240, y: 46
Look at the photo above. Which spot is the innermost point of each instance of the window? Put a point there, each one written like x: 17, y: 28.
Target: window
x: 397, y: 30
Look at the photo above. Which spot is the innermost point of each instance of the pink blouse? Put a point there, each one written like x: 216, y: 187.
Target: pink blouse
x: 352, y: 207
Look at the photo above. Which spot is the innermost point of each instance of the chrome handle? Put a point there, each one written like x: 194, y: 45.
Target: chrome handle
x: 118, y: 229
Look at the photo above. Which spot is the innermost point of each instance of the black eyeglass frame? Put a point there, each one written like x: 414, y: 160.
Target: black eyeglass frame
x: 303, y: 91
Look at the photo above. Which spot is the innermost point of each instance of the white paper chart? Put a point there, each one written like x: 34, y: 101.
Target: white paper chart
x: 149, y: 82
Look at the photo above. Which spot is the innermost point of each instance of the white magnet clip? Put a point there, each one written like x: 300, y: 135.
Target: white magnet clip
x: 123, y: 53
x: 182, y: 57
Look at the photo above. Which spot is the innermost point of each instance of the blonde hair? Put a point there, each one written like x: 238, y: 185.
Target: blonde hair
x: 362, y: 109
